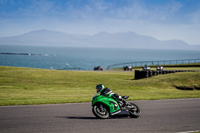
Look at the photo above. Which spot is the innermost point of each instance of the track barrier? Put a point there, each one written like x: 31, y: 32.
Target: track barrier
x: 140, y: 74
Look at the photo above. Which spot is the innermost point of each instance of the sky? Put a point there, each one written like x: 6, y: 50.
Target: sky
x: 161, y: 19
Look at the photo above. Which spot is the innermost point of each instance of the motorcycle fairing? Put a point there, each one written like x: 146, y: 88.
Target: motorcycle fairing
x: 109, y: 102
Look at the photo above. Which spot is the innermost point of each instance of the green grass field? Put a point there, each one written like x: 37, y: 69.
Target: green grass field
x: 23, y: 86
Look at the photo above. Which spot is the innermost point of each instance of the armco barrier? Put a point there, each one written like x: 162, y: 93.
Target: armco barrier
x: 154, y: 63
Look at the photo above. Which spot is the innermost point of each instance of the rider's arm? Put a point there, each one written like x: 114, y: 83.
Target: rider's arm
x: 107, y: 92
x: 116, y: 96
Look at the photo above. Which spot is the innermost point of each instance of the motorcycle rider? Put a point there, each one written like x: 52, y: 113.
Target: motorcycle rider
x: 107, y: 92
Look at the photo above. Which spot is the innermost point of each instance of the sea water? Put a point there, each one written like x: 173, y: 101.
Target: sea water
x: 77, y: 58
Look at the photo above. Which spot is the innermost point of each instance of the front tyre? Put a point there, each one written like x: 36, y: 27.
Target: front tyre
x: 100, y: 111
x: 134, y: 110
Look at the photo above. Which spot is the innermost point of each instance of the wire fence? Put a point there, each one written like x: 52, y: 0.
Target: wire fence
x: 150, y: 63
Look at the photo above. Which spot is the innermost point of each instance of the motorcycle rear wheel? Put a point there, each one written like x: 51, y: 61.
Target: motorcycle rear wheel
x: 100, y: 111
x: 134, y: 111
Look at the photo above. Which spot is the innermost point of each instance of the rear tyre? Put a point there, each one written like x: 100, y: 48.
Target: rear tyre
x: 100, y: 111
x: 134, y: 110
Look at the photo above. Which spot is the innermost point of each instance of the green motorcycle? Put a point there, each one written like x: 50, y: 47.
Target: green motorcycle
x: 105, y: 106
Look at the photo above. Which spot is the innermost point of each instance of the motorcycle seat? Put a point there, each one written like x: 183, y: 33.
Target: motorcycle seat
x: 125, y: 97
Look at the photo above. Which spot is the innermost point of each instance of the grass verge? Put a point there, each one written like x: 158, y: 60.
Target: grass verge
x: 23, y: 86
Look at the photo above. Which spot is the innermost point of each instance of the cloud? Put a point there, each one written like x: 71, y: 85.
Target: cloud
x: 164, y: 12
x: 42, y: 5
x: 90, y: 9
x: 194, y: 17
x: 134, y: 10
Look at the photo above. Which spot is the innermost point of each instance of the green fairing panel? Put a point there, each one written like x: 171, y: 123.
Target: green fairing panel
x: 107, y: 100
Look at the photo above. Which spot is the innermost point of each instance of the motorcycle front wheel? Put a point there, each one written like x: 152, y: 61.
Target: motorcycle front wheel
x: 134, y: 110
x: 100, y: 111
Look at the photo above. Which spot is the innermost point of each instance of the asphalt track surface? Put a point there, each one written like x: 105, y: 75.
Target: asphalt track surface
x: 157, y: 116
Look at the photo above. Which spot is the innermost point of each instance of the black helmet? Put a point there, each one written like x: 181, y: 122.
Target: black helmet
x: 99, y: 87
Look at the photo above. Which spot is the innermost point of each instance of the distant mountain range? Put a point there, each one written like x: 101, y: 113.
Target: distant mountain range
x: 102, y: 39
